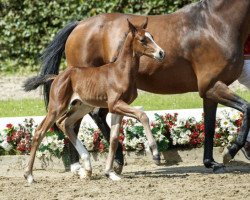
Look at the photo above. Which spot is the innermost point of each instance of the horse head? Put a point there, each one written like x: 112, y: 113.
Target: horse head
x: 143, y: 43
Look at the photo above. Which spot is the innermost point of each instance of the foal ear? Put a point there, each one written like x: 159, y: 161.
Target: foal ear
x: 145, y: 24
x: 132, y: 28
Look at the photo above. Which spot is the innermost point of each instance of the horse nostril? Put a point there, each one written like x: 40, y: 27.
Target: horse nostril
x: 161, y: 54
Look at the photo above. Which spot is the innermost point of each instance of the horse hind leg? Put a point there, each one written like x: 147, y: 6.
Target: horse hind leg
x: 69, y: 125
x: 222, y: 94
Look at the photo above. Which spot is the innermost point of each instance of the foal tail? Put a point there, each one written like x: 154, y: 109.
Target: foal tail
x: 36, y: 81
x: 51, y: 57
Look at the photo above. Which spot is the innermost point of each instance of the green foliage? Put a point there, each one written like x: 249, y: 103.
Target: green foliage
x: 27, y: 27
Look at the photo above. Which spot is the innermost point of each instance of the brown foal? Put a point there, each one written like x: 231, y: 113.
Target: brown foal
x: 111, y: 86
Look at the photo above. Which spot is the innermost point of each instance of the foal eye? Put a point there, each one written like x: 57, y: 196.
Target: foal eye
x: 143, y: 40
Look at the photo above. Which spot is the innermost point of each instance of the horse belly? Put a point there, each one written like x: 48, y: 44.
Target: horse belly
x: 167, y: 78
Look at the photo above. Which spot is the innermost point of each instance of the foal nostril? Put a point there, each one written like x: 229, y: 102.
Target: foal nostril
x: 161, y: 54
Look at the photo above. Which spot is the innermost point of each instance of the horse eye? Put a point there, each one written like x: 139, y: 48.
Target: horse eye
x: 143, y: 40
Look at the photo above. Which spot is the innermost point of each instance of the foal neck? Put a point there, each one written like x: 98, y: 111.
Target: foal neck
x: 128, y: 59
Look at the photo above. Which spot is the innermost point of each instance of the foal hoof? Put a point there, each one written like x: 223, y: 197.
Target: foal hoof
x: 29, y: 178
x: 157, y: 159
x: 226, y: 156
x: 117, y: 168
x: 84, y: 174
x: 113, y: 176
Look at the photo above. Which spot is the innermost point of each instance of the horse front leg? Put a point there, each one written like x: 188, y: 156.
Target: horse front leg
x: 223, y: 95
x: 123, y: 108
x: 114, y: 141
x: 99, y: 116
x: 210, y: 108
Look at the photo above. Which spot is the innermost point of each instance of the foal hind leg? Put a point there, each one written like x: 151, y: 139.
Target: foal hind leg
x: 99, y: 116
x: 115, y: 127
x: 123, y: 108
x: 223, y: 95
x: 69, y: 125
x: 39, y: 135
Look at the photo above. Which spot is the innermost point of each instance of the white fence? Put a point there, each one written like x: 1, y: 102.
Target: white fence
x: 182, y: 113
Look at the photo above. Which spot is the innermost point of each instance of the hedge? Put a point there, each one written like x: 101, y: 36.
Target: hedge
x: 27, y: 27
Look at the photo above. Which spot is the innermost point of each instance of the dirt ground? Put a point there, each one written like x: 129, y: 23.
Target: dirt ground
x: 11, y: 88
x: 188, y: 179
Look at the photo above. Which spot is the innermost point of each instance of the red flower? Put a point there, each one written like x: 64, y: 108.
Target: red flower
x: 121, y: 137
x: 66, y: 141
x: 51, y: 129
x: 194, y: 135
x: 101, y: 146
x: 9, y: 126
x: 96, y: 136
x: 217, y: 135
x: 8, y: 139
x: 193, y: 142
x: 238, y: 122
x: 187, y: 125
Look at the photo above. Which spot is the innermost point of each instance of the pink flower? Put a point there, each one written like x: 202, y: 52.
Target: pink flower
x: 9, y: 139
x: 9, y: 126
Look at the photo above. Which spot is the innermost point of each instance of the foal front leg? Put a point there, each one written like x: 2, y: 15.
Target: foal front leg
x: 115, y: 127
x: 123, y: 108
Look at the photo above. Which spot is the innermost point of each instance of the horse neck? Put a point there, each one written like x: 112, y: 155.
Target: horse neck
x: 235, y: 13
x: 128, y: 61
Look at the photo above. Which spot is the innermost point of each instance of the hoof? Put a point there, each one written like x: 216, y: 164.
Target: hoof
x: 226, y: 156
x: 118, y: 168
x: 29, y: 178
x: 157, y: 159
x: 219, y: 168
x: 85, y: 174
x: 74, y: 168
x: 113, y: 176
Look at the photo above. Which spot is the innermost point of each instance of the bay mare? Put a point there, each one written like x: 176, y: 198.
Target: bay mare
x: 204, y: 42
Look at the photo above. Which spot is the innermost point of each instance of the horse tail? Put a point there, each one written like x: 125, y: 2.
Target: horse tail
x: 51, y: 57
x: 34, y: 82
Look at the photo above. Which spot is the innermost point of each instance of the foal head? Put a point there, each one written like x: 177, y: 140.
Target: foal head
x: 143, y: 42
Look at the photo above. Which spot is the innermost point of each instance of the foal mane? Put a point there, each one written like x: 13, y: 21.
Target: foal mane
x: 119, y: 47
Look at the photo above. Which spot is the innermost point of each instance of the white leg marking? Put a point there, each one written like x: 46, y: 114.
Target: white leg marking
x: 113, y: 176
x: 30, y: 179
x: 75, y: 167
x: 115, y: 126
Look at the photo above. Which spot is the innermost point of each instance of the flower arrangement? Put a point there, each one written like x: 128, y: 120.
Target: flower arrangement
x: 52, y: 144
x: 92, y: 138
x: 17, y: 140
x: 168, y: 130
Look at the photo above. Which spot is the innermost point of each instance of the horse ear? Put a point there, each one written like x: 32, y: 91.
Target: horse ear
x: 132, y: 28
x: 145, y: 24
